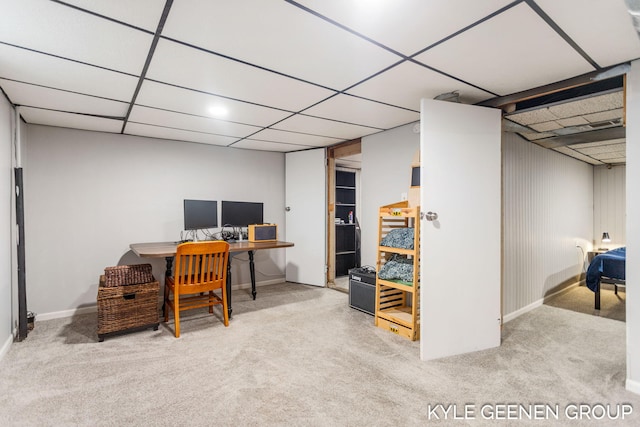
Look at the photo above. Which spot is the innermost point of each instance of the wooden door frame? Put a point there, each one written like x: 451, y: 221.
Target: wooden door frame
x: 343, y: 149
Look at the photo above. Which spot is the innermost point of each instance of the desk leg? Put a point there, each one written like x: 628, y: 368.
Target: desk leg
x: 229, y: 286
x: 167, y: 273
x: 169, y: 261
x: 597, y: 298
x: 252, y: 269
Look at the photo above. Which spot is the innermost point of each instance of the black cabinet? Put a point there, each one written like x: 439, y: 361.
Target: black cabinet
x: 346, y: 223
x: 362, y: 289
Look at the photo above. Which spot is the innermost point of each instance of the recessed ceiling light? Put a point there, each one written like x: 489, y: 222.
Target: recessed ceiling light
x: 218, y: 111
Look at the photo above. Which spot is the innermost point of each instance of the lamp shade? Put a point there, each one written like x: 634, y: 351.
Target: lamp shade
x: 605, y: 237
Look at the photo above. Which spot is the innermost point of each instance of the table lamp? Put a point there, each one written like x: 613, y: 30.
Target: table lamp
x: 605, y: 239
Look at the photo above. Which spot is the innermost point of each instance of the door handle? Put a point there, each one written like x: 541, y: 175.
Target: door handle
x: 429, y: 216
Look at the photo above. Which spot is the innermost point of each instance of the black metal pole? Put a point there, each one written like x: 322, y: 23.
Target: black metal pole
x: 22, y: 288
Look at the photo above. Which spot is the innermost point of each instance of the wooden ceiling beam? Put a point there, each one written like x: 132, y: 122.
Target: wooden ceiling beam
x: 345, y: 149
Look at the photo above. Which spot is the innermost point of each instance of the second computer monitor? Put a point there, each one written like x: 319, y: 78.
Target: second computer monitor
x: 241, y: 214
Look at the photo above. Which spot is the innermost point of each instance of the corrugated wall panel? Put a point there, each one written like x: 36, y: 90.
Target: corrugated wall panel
x: 548, y: 208
x: 609, y: 213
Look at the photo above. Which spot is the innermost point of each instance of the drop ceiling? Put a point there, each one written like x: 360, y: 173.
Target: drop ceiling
x: 284, y: 76
x: 588, y: 127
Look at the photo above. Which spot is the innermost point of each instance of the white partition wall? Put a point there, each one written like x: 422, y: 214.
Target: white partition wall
x: 609, y: 205
x: 633, y: 228
x: 7, y: 245
x: 88, y: 195
x: 386, y: 177
x: 547, y: 209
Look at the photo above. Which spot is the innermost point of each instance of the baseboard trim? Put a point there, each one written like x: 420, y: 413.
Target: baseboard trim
x: 67, y: 313
x: 633, y: 386
x: 93, y: 308
x: 509, y: 317
x: 562, y: 291
x: 536, y: 304
x: 258, y: 284
x: 6, y: 346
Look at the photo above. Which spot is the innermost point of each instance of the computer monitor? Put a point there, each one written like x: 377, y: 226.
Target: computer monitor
x: 241, y: 214
x: 200, y: 214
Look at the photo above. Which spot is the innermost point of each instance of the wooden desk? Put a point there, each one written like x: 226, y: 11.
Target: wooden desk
x: 167, y: 250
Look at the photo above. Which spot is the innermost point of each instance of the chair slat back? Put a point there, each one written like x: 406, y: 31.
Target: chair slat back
x: 201, y: 264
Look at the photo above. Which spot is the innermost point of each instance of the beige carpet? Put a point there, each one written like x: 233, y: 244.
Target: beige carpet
x: 581, y: 299
x: 299, y: 356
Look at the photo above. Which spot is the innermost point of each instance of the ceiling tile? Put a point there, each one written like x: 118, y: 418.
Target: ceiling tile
x: 576, y: 155
x: 603, y: 31
x: 546, y: 126
x: 279, y: 37
x: 536, y: 136
x: 617, y: 160
x: 30, y: 67
x: 573, y: 121
x: 302, y: 139
x: 323, y: 127
x: 610, y: 101
x: 69, y: 120
x: 252, y: 144
x: 600, y: 149
x: 422, y: 22
x: 360, y: 111
x: 73, y: 34
x: 312, y: 77
x: 404, y: 85
x: 604, y: 115
x: 177, y: 134
x: 182, y: 121
x: 199, y: 104
x: 140, y: 13
x: 531, y: 44
x: 535, y: 116
x: 31, y: 95
x: 610, y: 155
x: 599, y: 143
x: 213, y: 74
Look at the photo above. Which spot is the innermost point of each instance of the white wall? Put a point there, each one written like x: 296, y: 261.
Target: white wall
x: 633, y: 228
x: 548, y: 207
x: 609, y: 206
x: 7, y: 246
x: 386, y: 174
x: 88, y: 195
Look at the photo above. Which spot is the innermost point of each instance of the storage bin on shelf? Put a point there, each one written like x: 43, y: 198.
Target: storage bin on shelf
x: 127, y: 300
x: 398, y: 276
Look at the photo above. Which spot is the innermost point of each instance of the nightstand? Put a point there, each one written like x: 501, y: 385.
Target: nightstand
x: 592, y: 254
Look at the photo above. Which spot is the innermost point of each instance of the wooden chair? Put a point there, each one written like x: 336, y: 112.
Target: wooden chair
x: 200, y: 269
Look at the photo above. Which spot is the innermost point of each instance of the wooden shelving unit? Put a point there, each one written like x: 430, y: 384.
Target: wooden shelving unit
x: 397, y: 302
x: 345, y: 232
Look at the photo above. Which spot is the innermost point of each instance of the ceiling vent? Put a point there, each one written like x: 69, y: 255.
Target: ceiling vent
x: 570, y: 130
x: 449, y: 96
x: 603, y: 124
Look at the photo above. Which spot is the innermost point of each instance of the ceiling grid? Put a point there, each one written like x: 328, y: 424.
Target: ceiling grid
x: 284, y: 75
